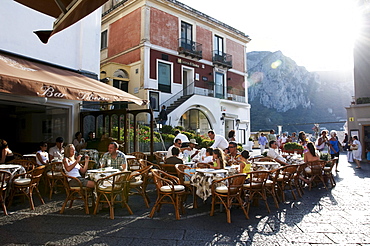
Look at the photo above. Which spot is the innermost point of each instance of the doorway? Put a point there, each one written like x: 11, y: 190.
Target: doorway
x: 187, y: 81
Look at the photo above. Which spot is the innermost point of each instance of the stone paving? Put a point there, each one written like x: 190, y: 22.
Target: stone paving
x: 338, y: 216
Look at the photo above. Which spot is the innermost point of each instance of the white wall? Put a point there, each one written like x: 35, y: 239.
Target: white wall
x: 77, y: 47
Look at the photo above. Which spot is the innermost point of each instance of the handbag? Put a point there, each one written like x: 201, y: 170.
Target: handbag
x: 353, y: 147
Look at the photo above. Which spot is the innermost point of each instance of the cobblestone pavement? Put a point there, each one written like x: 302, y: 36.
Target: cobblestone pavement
x: 339, y: 216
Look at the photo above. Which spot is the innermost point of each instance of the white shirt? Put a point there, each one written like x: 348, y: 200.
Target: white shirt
x: 220, y: 142
x: 190, y: 153
x: 183, y: 137
x: 44, y: 156
x: 274, y: 155
x: 169, y: 151
x: 207, y: 159
x: 55, y: 152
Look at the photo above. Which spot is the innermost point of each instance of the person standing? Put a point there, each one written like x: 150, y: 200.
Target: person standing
x: 231, y: 135
x: 357, y: 151
x: 334, y: 146
x: 294, y: 137
x: 271, y: 136
x: 184, y: 139
x: 79, y: 142
x: 219, y: 141
x: 262, y: 141
x: 163, y: 116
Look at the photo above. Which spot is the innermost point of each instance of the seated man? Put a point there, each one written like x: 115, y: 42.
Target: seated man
x: 57, y: 152
x: 233, y: 157
x: 174, y: 159
x: 92, y: 141
x: 177, y: 144
x: 114, y: 158
x: 273, y: 154
x: 192, y: 151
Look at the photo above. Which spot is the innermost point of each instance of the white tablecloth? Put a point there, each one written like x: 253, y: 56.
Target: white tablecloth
x: 203, y: 178
x: 96, y: 174
x: 265, y: 166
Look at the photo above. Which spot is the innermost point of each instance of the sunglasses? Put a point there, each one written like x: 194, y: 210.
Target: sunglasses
x: 231, y: 147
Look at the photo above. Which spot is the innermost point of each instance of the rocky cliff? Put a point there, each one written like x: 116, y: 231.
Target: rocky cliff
x: 283, y: 93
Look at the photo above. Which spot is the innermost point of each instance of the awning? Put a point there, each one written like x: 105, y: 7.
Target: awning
x: 67, y: 12
x: 25, y: 77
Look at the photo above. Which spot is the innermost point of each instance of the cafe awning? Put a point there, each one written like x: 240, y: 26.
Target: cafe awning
x: 66, y: 12
x: 23, y: 76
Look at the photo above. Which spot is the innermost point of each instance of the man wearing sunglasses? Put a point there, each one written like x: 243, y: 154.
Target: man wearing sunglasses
x: 233, y: 157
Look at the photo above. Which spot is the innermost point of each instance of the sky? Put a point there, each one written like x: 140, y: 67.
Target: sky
x: 317, y: 34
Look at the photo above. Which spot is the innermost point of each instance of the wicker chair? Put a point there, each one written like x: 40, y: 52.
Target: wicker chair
x: 138, y: 183
x: 256, y: 188
x: 25, y: 183
x: 315, y: 172
x: 169, y: 191
x: 328, y: 170
x: 109, y: 188
x: 184, y: 175
x: 203, y: 165
x: 286, y: 180
x: 54, y: 176
x: 4, y: 182
x: 27, y: 164
x: 226, y: 191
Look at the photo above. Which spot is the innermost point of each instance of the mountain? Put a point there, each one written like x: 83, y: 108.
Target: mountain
x: 282, y: 93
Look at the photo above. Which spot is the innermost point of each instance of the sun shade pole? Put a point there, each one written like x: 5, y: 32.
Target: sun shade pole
x: 61, y: 6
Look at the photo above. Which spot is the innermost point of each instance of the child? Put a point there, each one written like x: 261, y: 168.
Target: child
x: 245, y: 166
x: 209, y: 156
x: 218, y: 159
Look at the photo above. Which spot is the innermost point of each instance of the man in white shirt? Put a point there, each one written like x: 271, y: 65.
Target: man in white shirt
x: 57, y: 152
x: 273, y: 154
x: 177, y: 143
x: 220, y: 141
x: 183, y: 137
x: 192, y: 151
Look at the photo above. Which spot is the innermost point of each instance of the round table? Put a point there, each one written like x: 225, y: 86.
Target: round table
x: 265, y: 165
x: 202, y: 180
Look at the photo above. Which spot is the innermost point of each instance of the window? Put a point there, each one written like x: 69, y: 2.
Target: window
x: 164, y: 77
x: 104, y: 40
x: 219, y: 45
x: 195, y: 120
x: 219, y: 85
x: 186, y: 36
x: 242, y: 136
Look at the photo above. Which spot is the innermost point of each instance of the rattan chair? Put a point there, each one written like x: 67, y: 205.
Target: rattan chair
x: 328, y: 170
x: 169, y: 168
x: 228, y: 191
x: 286, y: 180
x: 315, y: 173
x: 169, y: 191
x: 76, y: 193
x: 25, y: 184
x: 54, y: 176
x: 184, y: 174
x: 272, y: 186
x: 109, y: 188
x: 4, y: 183
x: 256, y: 188
x: 203, y: 165
x: 26, y: 163
x: 138, y: 183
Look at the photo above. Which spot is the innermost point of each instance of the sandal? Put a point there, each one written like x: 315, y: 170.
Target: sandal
x: 358, y: 167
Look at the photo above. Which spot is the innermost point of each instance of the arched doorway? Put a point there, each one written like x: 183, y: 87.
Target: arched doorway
x: 196, y: 120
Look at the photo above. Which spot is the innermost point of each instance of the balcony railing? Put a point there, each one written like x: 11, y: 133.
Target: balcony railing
x: 222, y: 59
x: 190, y: 48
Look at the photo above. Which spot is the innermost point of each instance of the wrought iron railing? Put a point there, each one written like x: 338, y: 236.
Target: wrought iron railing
x: 222, y: 59
x: 189, y: 47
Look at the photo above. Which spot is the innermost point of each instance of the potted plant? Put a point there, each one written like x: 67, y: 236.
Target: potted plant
x: 293, y: 147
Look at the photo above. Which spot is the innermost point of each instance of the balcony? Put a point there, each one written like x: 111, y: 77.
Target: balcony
x: 222, y: 59
x: 190, y: 48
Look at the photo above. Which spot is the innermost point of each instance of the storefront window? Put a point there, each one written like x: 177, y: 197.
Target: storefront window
x: 195, y: 119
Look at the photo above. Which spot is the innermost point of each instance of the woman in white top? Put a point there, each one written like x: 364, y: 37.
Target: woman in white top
x: 79, y: 142
x: 357, y: 152
x: 42, y: 156
x: 72, y: 167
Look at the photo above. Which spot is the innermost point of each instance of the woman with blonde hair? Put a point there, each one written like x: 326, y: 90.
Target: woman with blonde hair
x: 218, y: 159
x: 72, y: 167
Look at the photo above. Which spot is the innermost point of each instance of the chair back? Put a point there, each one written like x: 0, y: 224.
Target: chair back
x: 235, y: 183
x: 139, y: 155
x: 115, y: 182
x: 184, y: 172
x: 316, y: 167
x: 17, y: 156
x: 27, y: 164
x: 159, y: 157
x: 168, y: 168
x: 203, y: 165
x: 258, y: 179
x: 162, y: 178
x: 288, y: 172
x: 36, y: 175
x: 331, y: 163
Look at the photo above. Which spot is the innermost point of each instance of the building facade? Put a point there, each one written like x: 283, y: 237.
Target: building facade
x: 27, y: 120
x: 174, y: 55
x: 358, y: 113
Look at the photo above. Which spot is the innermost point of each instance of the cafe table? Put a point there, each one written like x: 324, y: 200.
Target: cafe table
x: 203, y: 178
x: 265, y: 165
x: 13, y: 169
x: 95, y: 174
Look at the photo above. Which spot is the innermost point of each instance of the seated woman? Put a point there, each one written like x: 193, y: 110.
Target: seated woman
x: 245, y: 165
x: 311, y: 154
x: 42, y: 156
x: 219, y: 161
x: 72, y: 167
x: 6, y: 153
x: 79, y: 142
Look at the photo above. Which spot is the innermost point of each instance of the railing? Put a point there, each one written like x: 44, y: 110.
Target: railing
x: 222, y: 59
x: 211, y: 91
x: 189, y: 47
